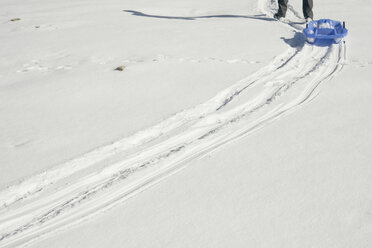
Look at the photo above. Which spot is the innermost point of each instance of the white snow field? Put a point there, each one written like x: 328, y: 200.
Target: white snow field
x: 224, y: 129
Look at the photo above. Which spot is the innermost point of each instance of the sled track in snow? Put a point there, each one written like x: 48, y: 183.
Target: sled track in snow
x: 77, y: 190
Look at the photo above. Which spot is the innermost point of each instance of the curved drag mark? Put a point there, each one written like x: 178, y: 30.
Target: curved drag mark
x: 32, y: 186
x: 77, y: 190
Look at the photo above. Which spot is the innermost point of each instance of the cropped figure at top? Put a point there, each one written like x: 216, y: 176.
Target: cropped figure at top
x: 307, y: 8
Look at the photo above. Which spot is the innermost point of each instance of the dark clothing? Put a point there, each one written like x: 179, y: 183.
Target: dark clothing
x: 307, y: 8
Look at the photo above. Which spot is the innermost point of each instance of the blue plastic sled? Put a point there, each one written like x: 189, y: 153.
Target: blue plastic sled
x: 325, y: 32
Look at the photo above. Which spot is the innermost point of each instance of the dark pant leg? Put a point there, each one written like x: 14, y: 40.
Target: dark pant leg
x: 282, y: 7
x: 307, y: 7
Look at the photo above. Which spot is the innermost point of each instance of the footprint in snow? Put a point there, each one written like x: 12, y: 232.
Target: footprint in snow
x: 22, y: 143
x: 33, y: 66
x: 36, y: 66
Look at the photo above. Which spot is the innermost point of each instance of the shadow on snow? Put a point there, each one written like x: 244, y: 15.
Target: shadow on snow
x: 191, y: 18
x: 298, y: 41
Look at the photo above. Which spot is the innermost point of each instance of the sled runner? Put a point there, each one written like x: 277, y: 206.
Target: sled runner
x: 325, y: 32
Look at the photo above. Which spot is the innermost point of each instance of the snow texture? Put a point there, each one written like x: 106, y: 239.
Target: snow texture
x: 223, y: 126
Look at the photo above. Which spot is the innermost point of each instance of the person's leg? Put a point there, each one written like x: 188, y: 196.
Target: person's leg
x: 307, y: 7
x: 282, y: 8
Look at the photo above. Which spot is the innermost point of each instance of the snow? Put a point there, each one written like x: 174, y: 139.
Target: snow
x: 223, y: 129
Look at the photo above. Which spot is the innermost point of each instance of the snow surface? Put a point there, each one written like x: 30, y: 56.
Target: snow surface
x: 272, y: 134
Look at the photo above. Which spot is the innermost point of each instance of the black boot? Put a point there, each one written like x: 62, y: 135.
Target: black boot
x: 277, y: 16
x: 282, y: 9
x: 307, y: 7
